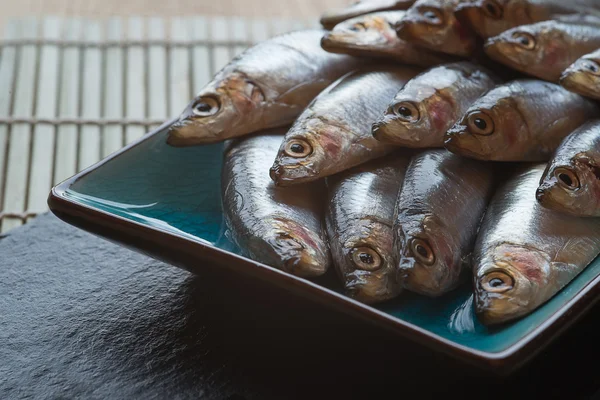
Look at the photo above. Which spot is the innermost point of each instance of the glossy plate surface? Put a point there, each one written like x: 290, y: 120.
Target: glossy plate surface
x: 165, y: 201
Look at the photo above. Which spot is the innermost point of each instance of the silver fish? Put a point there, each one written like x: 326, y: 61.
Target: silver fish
x: 492, y: 17
x: 334, y: 17
x: 545, y: 49
x: 334, y: 132
x: 571, y: 182
x: 431, y: 24
x: 526, y: 253
x: 423, y: 111
x: 280, y: 227
x: 523, y: 120
x: 373, y: 35
x: 359, y: 226
x: 439, y: 210
x: 583, y: 76
x: 266, y: 86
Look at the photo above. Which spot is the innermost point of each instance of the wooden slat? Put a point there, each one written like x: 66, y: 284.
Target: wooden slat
x: 136, y: 77
x: 201, y: 66
x: 259, y: 30
x: 7, y: 74
x: 239, y: 32
x: 42, y: 156
x: 157, y: 72
x: 20, y: 135
x: 180, y: 89
x: 89, y: 135
x: 112, y: 135
x: 66, y: 137
x: 219, y: 31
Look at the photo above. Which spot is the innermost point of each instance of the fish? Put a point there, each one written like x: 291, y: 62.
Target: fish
x: 571, y: 181
x: 359, y: 226
x: 439, y: 209
x: 431, y: 24
x: 492, y: 17
x: 583, y: 76
x: 373, y: 35
x: 545, y: 49
x: 280, y: 227
x: 522, y: 120
x: 526, y: 253
x: 422, y: 112
x: 331, y: 18
x: 267, y: 86
x: 334, y: 132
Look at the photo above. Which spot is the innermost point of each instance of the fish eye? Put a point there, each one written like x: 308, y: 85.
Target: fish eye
x: 497, y: 282
x: 432, y: 16
x: 205, y: 107
x: 366, y: 258
x: 298, y: 148
x: 359, y: 26
x: 480, y: 124
x: 525, y: 40
x: 567, y: 178
x: 492, y: 9
x: 422, y: 251
x: 407, y: 111
x: 591, y: 66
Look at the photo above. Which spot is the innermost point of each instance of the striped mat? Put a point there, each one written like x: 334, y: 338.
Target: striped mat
x: 73, y: 91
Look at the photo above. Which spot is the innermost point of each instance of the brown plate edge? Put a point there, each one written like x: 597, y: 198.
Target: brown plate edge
x: 185, y: 253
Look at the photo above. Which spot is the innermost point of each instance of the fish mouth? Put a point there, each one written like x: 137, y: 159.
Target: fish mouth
x: 460, y: 142
x: 383, y: 132
x: 287, y: 175
x: 296, y: 250
x: 185, y: 133
x: 405, y: 29
x: 370, y: 289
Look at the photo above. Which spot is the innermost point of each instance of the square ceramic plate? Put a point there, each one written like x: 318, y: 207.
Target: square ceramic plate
x: 165, y: 202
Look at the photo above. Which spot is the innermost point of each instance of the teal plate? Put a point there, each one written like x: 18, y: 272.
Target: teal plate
x: 165, y: 202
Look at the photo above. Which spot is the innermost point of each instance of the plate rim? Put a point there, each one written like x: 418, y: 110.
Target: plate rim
x: 153, y: 241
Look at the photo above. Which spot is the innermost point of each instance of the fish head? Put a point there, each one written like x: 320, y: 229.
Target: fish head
x: 432, y: 23
x: 583, y: 77
x: 571, y: 186
x: 491, y: 17
x: 368, y: 270
x: 309, y: 151
x: 509, y: 282
x: 489, y: 130
x: 362, y: 32
x: 219, y: 112
x: 430, y: 260
x: 414, y: 117
x: 524, y: 46
x: 293, y: 248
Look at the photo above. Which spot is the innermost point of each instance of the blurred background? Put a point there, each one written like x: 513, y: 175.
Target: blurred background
x: 105, y: 8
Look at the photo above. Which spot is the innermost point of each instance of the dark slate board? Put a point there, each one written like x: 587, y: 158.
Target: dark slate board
x: 83, y: 318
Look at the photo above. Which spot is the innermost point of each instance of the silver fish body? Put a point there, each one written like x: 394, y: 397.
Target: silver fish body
x: 571, y: 182
x: 492, y: 17
x: 280, y: 227
x: 334, y: 132
x: 439, y: 209
x: 545, y: 49
x: 523, y: 120
x: 266, y: 86
x: 373, y: 35
x: 334, y: 17
x: 429, y: 104
x: 359, y: 226
x: 431, y: 24
x: 583, y: 76
x: 526, y: 253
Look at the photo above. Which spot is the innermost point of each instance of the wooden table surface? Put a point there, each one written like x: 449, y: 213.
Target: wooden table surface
x: 161, y: 8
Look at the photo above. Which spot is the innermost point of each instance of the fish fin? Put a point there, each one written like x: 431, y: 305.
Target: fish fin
x: 313, y: 87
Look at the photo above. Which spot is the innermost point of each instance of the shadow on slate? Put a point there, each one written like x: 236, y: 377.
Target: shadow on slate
x: 83, y: 318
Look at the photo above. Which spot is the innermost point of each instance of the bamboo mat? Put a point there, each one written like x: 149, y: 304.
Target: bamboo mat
x: 73, y: 91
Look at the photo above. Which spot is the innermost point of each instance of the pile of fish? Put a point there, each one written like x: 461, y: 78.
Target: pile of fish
x: 417, y: 146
